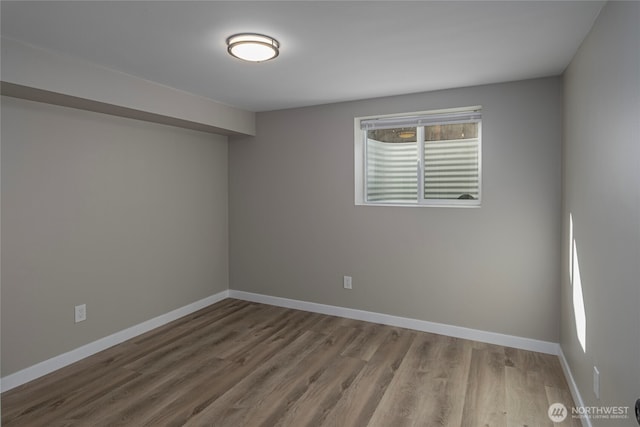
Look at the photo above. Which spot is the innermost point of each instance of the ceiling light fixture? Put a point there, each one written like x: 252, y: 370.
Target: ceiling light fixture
x: 253, y: 47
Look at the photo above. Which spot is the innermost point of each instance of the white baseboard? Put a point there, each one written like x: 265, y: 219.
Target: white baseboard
x: 403, y: 322
x: 57, y: 362
x: 573, y: 387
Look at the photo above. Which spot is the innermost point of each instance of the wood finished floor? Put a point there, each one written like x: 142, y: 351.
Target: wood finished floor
x: 238, y: 363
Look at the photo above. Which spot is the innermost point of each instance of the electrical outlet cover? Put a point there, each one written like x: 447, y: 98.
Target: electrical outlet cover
x: 80, y: 313
x: 347, y: 282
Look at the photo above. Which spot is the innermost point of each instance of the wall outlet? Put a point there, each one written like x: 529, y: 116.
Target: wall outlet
x: 81, y: 312
x: 596, y: 382
x: 347, y: 282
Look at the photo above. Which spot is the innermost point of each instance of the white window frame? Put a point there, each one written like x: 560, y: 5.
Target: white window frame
x: 360, y: 163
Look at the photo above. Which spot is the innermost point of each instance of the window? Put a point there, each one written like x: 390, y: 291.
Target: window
x: 421, y: 159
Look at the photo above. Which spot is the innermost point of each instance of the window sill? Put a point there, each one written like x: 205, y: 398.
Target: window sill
x: 423, y: 205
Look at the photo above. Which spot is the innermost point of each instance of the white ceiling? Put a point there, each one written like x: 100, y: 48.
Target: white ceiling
x: 330, y: 51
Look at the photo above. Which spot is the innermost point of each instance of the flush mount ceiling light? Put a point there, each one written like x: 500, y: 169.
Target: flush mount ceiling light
x: 253, y: 47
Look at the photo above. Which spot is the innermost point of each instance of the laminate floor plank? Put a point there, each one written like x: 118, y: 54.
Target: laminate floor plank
x: 412, y: 388
x: 307, y: 370
x: 260, y: 381
x: 367, y: 343
x: 244, y: 364
x: 325, y: 324
x: 362, y: 397
x: 252, y: 333
x: 266, y: 408
x: 119, y: 407
x: 485, y: 399
x: 525, y: 403
x: 68, y: 377
x: 212, y: 337
x: 457, y: 356
x: 274, y: 329
x: 430, y: 384
x: 551, y: 370
x: 195, y: 400
x: 57, y: 406
x: 448, y: 373
x: 321, y: 396
x: 185, y: 325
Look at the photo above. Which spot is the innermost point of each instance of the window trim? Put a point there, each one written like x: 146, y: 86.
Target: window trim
x: 360, y: 162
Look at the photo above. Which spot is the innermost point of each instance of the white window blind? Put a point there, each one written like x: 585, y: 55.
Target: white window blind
x: 451, y: 169
x: 392, y: 171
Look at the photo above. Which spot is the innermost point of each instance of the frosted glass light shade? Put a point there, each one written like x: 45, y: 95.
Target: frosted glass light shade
x: 253, y: 47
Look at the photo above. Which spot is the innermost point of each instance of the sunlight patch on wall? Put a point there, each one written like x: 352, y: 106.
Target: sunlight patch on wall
x: 576, y: 282
x: 571, y: 249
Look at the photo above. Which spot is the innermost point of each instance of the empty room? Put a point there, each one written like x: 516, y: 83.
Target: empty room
x: 320, y: 213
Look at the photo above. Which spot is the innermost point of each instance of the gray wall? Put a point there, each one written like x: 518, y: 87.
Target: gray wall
x: 295, y: 231
x: 602, y: 192
x: 126, y: 216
